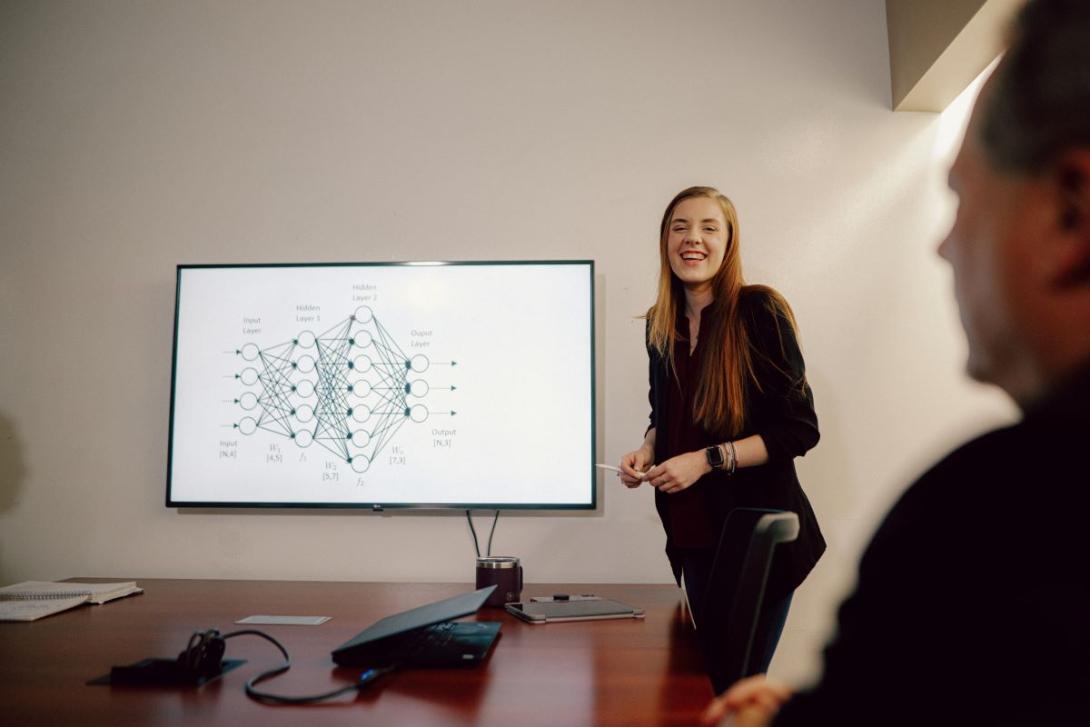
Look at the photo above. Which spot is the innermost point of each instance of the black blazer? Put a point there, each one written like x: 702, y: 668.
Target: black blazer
x: 972, y: 598
x: 782, y: 412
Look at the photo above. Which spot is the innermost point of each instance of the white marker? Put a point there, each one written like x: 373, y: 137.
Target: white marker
x: 615, y: 469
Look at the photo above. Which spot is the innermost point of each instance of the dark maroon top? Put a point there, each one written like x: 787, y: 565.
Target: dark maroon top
x: 690, y: 512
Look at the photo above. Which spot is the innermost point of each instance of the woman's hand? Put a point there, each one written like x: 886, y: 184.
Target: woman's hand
x: 634, y: 464
x: 678, y: 473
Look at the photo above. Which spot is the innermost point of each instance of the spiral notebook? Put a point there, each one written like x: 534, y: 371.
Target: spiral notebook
x: 32, y: 600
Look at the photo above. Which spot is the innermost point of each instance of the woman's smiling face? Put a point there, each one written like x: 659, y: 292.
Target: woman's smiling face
x: 696, y: 241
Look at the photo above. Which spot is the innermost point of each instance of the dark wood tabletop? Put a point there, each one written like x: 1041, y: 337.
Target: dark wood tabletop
x: 630, y: 672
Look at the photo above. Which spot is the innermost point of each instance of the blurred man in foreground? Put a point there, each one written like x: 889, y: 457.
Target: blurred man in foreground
x: 973, y: 598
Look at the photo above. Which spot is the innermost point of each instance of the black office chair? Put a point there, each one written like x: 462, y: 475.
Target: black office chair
x: 736, y: 590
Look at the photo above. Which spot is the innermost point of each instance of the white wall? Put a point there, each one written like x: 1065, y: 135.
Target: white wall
x: 135, y: 136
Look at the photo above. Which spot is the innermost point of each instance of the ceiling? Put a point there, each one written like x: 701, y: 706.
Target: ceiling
x: 937, y: 47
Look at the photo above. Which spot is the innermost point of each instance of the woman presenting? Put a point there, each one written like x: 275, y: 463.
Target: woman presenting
x: 730, y: 407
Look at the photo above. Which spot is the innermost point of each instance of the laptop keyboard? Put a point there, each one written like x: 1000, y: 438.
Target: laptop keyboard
x: 431, y: 638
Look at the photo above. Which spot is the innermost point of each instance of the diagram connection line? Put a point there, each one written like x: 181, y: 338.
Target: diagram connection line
x: 348, y: 389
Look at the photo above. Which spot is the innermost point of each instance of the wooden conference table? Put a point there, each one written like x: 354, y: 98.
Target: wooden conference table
x: 598, y: 672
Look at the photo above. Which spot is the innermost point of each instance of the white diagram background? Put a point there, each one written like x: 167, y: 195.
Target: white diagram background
x: 520, y: 335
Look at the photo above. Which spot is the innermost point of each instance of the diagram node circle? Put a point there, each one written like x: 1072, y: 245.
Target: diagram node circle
x: 249, y: 376
x: 304, y: 413
x: 305, y: 388
x: 419, y: 388
x: 363, y: 314
x: 250, y: 352
x: 360, y: 464
x: 247, y: 425
x: 306, y: 364
x: 248, y: 400
x: 362, y: 339
x: 418, y: 413
x: 360, y: 438
x: 361, y: 413
x: 362, y: 364
x: 361, y: 389
x: 305, y: 339
x: 304, y: 437
x: 419, y: 363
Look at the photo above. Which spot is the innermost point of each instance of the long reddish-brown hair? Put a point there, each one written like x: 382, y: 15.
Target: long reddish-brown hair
x: 719, y: 404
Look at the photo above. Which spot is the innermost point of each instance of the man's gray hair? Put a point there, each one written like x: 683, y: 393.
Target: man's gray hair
x: 1039, y: 104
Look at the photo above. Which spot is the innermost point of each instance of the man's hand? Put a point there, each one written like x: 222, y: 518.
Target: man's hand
x: 752, y: 701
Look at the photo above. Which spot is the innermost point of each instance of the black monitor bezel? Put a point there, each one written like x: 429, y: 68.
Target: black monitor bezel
x: 354, y: 506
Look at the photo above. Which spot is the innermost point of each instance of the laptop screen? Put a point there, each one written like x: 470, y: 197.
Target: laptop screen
x: 426, y: 615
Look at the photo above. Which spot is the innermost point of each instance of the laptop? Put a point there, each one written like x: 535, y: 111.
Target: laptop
x: 424, y: 637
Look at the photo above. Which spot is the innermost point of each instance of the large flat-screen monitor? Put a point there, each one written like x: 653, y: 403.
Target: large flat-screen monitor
x: 439, y: 385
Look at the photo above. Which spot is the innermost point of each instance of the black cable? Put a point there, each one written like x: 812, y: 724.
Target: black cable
x: 494, y: 519
x: 253, y: 693
x: 476, y: 545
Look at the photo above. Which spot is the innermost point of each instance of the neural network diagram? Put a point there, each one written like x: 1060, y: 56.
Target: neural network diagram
x: 348, y: 389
